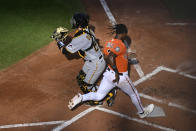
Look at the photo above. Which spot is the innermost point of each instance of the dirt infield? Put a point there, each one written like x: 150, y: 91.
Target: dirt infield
x: 37, y: 89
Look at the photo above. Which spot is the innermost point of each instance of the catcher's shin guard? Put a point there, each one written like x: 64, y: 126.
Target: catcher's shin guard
x: 94, y: 103
x: 80, y: 78
x: 86, y: 88
x: 111, y: 97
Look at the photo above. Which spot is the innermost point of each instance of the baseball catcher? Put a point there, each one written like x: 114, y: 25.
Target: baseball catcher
x: 84, y: 42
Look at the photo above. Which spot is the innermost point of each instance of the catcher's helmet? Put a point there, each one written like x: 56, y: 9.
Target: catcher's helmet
x: 79, y: 20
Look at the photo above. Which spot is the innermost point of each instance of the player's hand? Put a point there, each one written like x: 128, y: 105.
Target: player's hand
x: 117, y: 78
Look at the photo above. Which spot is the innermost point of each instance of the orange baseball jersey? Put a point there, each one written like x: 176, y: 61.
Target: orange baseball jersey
x: 117, y: 47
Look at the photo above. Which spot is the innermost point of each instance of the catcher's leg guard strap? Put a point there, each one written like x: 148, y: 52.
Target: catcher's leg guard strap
x: 86, y: 88
x: 80, y: 78
x: 111, y: 96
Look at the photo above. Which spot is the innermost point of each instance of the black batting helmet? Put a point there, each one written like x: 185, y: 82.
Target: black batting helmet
x: 79, y: 20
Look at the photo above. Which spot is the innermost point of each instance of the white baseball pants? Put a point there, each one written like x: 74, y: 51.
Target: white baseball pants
x: 125, y: 84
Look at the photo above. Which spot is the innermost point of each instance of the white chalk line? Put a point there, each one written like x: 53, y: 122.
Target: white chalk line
x: 139, y: 70
x: 135, y: 119
x: 146, y: 77
x: 171, y: 104
x: 156, y: 71
x: 113, y: 22
x: 64, y: 122
x: 62, y: 126
x: 108, y: 12
x: 181, y: 24
x: 162, y: 68
x: 32, y: 124
x: 67, y: 123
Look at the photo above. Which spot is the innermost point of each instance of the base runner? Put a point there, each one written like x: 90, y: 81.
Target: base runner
x: 115, y: 75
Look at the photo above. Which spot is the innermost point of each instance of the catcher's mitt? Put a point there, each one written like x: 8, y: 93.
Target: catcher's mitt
x: 60, y: 34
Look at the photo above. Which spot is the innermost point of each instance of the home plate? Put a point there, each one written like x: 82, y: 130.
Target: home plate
x: 157, y: 112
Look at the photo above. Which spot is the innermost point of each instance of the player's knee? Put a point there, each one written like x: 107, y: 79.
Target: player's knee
x: 99, y: 96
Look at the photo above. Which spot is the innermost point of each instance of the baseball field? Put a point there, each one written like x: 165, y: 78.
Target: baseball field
x: 37, y: 81
x: 26, y: 25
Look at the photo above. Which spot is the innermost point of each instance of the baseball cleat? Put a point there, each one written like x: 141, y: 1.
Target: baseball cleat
x: 77, y: 99
x: 147, y: 111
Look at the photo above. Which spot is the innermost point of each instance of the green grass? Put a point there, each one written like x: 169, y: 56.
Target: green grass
x: 181, y: 9
x: 26, y: 25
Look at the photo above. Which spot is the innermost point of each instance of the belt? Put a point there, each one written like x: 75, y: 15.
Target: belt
x: 99, y: 58
x: 113, y: 71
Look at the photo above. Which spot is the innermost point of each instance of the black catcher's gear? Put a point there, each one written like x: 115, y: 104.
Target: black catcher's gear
x: 84, y: 87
